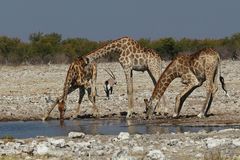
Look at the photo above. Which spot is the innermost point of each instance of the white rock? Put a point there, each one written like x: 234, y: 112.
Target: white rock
x: 123, y: 135
x: 26, y: 148
x: 173, y: 142
x: 199, y: 155
x: 57, y: 153
x: 155, y: 155
x: 83, y: 145
x: 42, y: 149
x: 236, y: 142
x: 76, y: 135
x: 114, y: 139
x: 100, y: 152
x: 122, y: 155
x: 137, y: 149
x: 227, y: 130
x: 20, y: 141
x: 56, y: 142
x: 211, y: 142
x: 137, y: 136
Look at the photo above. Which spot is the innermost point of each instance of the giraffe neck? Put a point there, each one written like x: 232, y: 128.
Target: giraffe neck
x: 67, y: 82
x: 165, y: 79
x: 115, y: 46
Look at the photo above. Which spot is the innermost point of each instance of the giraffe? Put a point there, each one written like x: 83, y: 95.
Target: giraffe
x: 131, y: 56
x: 193, y: 70
x: 82, y: 75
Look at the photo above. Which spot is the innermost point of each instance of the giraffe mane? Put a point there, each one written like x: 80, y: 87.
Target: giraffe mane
x: 107, y: 43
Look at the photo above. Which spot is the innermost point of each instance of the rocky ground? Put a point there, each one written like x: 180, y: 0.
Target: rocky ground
x: 25, y: 92
x: 224, y: 144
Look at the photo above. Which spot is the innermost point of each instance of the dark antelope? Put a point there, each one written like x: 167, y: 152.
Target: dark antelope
x: 108, y: 84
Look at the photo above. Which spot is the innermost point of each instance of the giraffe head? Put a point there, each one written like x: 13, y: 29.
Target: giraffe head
x: 61, y: 109
x: 150, y: 107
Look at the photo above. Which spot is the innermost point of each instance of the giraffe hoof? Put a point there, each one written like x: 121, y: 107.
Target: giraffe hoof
x: 148, y: 118
x: 201, y: 115
x: 129, y: 115
x: 73, y: 117
x: 96, y: 115
x: 175, y: 115
x: 227, y: 95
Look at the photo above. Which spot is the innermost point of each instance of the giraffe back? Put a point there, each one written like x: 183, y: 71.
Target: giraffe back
x: 80, y: 72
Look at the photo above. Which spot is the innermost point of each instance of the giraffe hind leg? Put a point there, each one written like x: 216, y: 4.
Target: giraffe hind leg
x: 212, y: 88
x: 92, y: 99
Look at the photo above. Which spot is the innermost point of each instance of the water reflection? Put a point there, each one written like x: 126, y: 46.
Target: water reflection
x: 20, y: 129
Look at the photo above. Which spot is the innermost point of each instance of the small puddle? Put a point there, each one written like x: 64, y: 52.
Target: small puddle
x: 27, y: 129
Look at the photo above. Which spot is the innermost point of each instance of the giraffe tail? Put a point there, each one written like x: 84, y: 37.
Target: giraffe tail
x: 222, y: 79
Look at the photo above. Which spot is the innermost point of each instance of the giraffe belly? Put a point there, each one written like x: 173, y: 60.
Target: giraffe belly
x: 139, y: 67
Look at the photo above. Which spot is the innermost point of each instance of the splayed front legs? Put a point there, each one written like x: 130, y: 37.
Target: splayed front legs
x: 61, y: 103
x: 192, y: 83
x: 57, y: 102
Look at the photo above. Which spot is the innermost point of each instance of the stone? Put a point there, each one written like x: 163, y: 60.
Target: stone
x: 57, y: 142
x: 227, y: 130
x: 137, y: 136
x: 100, y: 152
x: 84, y: 145
x: 122, y: 155
x: 27, y: 149
x: 199, y: 155
x: 123, y: 135
x: 76, y: 135
x: 137, y: 150
x: 42, y: 149
x: 236, y: 142
x: 155, y: 155
x: 172, y: 142
x: 20, y: 141
x: 212, y: 142
x: 115, y: 139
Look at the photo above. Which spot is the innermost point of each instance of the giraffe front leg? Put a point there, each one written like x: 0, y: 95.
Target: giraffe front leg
x: 81, y: 95
x: 192, y: 83
x: 130, y: 94
x: 51, y: 108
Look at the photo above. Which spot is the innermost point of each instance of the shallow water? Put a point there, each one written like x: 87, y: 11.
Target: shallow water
x: 27, y: 129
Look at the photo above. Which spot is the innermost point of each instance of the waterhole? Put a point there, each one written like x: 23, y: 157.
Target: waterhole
x: 28, y: 129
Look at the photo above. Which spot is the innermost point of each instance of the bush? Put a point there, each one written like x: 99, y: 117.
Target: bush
x: 50, y: 48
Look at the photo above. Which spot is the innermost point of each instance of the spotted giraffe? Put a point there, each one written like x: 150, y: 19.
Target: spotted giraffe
x: 81, y: 74
x: 131, y: 57
x: 193, y: 70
